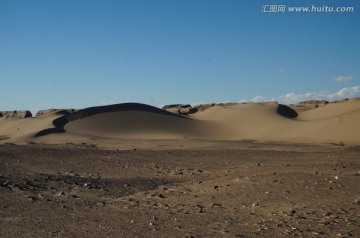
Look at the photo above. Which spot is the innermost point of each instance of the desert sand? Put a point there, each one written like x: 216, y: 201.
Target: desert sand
x: 336, y: 122
x: 219, y: 170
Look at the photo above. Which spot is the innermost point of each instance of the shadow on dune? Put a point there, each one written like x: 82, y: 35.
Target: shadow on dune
x: 60, y: 122
x: 286, y: 111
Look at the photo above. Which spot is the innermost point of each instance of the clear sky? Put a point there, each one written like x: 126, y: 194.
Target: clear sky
x: 81, y: 53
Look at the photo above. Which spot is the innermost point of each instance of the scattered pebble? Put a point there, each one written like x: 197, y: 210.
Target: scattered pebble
x: 199, y: 209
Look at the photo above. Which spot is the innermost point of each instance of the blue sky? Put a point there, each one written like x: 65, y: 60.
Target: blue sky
x: 81, y: 53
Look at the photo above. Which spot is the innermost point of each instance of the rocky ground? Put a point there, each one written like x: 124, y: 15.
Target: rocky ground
x: 256, y: 190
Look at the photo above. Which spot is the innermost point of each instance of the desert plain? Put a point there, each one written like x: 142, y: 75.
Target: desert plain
x: 214, y: 170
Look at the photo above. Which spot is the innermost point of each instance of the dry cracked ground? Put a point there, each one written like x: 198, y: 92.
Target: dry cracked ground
x: 253, y: 190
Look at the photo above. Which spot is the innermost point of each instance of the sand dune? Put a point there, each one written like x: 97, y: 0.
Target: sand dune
x: 336, y: 122
x: 255, y: 121
x: 133, y: 120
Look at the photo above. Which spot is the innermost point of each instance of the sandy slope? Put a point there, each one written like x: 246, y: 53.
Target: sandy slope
x: 23, y: 130
x: 137, y: 124
x: 334, y: 123
x: 253, y: 121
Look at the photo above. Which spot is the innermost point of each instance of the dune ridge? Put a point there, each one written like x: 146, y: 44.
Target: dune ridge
x: 327, y: 122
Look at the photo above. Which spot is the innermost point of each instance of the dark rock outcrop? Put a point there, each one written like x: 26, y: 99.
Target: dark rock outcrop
x: 186, y: 109
x: 16, y: 114
x: 309, y: 104
x: 55, y: 111
x: 180, y: 108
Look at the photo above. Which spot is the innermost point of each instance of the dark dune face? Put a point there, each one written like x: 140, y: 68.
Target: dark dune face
x: 287, y: 111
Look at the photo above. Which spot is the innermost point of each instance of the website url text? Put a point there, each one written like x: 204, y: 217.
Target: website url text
x: 309, y: 9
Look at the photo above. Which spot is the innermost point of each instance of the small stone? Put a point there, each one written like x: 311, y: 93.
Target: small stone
x: 31, y: 199
x: 199, y: 209
x: 6, y: 183
x: 240, y: 235
x: 336, y: 177
x: 255, y: 204
x: 133, y: 202
x: 357, y: 201
x: 72, y: 174
x: 342, y: 211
